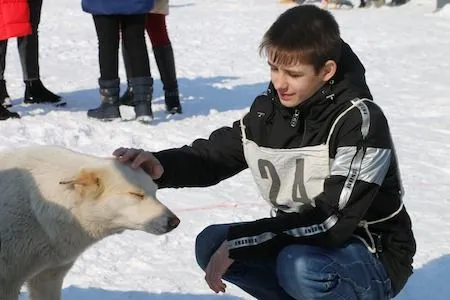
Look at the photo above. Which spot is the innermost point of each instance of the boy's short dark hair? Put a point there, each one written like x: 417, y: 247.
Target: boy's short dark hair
x: 303, y: 34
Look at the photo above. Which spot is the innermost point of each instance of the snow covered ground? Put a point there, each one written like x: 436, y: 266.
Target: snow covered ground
x: 405, y: 50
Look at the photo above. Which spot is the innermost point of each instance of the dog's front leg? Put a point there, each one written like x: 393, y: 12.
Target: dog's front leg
x: 47, y: 285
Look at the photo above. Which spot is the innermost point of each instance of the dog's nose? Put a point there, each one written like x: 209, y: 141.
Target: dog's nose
x: 173, y: 222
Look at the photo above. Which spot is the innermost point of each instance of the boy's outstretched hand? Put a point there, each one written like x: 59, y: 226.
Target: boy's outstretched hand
x: 138, y: 158
x: 217, y: 266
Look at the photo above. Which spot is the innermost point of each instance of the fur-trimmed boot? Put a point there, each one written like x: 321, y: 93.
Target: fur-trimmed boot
x: 166, y: 66
x: 109, y: 97
x: 142, y: 97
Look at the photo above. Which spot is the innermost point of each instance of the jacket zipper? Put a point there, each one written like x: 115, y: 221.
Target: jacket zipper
x: 295, y: 117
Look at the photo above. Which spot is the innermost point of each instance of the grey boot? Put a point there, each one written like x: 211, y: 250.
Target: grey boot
x: 109, y: 96
x: 127, y: 96
x: 142, y: 97
x: 166, y: 66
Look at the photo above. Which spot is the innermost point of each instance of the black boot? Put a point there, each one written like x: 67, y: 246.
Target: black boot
x: 6, y: 114
x: 172, y: 99
x: 142, y: 98
x: 127, y: 97
x: 166, y: 66
x: 109, y: 96
x: 36, y: 93
x: 397, y: 2
x: 5, y: 101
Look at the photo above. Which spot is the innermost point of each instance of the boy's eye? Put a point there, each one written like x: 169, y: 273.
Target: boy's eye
x: 295, y: 75
x: 139, y: 196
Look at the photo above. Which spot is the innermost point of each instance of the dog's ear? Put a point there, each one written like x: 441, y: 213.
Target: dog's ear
x: 88, y: 182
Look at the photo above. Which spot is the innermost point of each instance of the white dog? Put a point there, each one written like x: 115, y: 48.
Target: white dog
x: 55, y: 203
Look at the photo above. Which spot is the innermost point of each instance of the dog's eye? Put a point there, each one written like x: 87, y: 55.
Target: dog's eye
x: 140, y: 196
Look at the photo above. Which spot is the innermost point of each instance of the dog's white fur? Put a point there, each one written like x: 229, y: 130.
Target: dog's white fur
x: 55, y: 203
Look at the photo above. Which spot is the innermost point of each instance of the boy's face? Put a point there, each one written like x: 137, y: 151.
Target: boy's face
x: 297, y: 82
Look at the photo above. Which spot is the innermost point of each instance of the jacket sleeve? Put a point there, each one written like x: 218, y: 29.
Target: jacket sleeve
x: 14, y: 19
x: 361, y: 151
x: 204, y: 163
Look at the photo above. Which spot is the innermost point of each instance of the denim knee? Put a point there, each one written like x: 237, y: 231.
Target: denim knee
x: 300, y: 272
x: 207, y: 243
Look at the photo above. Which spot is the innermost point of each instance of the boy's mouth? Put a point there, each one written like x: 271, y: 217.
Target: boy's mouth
x: 285, y: 96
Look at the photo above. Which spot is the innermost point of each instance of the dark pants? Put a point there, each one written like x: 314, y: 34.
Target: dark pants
x: 156, y: 28
x: 108, y: 29
x: 302, y: 272
x: 28, y: 46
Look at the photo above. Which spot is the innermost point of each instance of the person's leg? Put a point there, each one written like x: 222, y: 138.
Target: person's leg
x: 256, y: 278
x: 35, y: 91
x: 140, y: 79
x: 347, y: 273
x: 163, y: 52
x: 157, y: 30
x: 127, y: 96
x: 29, y: 45
x: 107, y: 28
x: 4, y: 97
x: 133, y: 27
x: 125, y: 54
x: 3, y: 48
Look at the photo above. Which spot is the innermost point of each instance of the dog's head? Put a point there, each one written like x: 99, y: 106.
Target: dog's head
x: 113, y: 197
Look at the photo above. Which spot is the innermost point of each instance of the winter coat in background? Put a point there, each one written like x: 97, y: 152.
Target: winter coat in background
x: 117, y: 7
x: 161, y: 7
x: 14, y: 19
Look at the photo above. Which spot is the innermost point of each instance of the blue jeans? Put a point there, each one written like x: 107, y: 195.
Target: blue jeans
x: 303, y: 272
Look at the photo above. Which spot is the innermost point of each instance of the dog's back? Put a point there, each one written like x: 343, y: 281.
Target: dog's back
x: 42, y: 157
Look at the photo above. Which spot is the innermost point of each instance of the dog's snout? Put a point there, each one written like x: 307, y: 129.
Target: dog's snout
x: 173, y: 222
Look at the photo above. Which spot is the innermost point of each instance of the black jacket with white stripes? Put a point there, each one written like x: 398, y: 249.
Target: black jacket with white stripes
x: 209, y: 161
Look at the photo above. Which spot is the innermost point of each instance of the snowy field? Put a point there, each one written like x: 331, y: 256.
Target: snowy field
x: 406, y: 53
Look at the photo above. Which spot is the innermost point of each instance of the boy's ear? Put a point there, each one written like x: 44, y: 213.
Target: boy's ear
x: 328, y: 70
x: 88, y: 182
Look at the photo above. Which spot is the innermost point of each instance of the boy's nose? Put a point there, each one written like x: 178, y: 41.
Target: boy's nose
x: 280, y: 83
